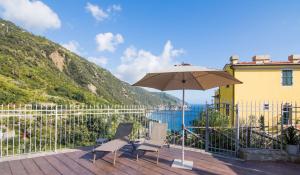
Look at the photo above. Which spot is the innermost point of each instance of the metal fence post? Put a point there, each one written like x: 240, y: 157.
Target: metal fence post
x: 55, y: 136
x: 281, y: 127
x: 206, y: 129
x: 237, y: 125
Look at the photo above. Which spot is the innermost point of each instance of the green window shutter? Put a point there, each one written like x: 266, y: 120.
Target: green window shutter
x: 287, y: 77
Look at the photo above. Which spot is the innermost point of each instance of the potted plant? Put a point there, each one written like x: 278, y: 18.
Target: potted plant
x: 292, y: 140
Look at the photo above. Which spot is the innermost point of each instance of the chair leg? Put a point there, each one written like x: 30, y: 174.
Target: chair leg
x: 94, y: 157
x: 157, y: 157
x: 115, y: 155
x: 137, y: 156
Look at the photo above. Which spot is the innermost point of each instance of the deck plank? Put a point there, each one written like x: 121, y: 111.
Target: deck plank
x: 121, y: 166
x: 167, y: 157
x: 5, y: 169
x: 107, y: 165
x: 31, y: 167
x: 45, y: 166
x: 150, y: 164
x: 205, y: 168
x: 17, y: 168
x: 57, y: 164
x: 129, y: 162
x: 201, y: 166
x: 79, y: 157
x: 213, y: 165
x: 80, y: 162
x: 73, y: 165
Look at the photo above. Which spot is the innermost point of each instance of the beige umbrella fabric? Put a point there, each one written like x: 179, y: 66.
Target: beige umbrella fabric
x: 183, y: 77
x: 195, y: 78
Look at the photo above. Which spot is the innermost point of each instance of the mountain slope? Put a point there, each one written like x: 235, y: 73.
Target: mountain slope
x: 36, y: 70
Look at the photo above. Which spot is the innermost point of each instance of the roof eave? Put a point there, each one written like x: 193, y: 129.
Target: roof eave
x: 260, y: 65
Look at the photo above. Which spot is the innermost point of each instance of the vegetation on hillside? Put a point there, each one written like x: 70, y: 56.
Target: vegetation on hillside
x: 36, y: 70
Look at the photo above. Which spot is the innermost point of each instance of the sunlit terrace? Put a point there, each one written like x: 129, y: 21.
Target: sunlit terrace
x: 38, y: 139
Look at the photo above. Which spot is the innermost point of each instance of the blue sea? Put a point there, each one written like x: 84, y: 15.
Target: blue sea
x: 174, y: 117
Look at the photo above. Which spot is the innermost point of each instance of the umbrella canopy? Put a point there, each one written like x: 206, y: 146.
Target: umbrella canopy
x: 187, y: 77
x: 183, y: 77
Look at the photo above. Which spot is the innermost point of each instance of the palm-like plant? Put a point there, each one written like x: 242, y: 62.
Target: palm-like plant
x: 291, y: 135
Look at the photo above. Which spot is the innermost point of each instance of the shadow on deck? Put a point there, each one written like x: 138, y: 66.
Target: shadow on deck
x: 80, y: 162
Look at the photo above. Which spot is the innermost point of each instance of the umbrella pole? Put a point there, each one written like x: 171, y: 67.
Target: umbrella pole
x: 183, y: 128
x: 181, y: 163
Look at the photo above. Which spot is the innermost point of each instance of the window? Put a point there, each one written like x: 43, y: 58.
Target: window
x: 287, y: 114
x: 217, y: 106
x: 227, y: 108
x: 266, y: 106
x: 287, y: 77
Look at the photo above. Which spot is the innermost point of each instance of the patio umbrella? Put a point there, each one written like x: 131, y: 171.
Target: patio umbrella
x: 182, y: 77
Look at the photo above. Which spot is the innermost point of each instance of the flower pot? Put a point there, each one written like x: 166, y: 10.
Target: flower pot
x: 292, y: 149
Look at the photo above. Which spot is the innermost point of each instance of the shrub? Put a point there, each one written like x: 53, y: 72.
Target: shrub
x: 291, y: 136
x: 261, y: 123
x: 216, y: 119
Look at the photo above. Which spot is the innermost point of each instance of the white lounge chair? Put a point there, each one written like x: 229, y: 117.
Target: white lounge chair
x: 120, y: 140
x: 157, y: 139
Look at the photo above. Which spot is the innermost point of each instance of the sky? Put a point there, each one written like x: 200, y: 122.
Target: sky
x: 131, y: 38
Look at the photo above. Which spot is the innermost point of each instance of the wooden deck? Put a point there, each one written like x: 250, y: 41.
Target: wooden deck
x: 80, y: 162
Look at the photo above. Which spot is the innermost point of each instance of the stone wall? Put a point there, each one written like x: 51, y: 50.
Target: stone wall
x: 267, y: 155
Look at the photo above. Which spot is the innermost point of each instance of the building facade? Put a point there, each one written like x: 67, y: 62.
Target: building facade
x: 268, y: 86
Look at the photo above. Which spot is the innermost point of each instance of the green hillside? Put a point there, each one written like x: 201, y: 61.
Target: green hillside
x: 36, y: 70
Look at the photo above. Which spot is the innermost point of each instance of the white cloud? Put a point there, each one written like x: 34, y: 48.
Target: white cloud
x: 101, y: 14
x: 98, y: 13
x: 129, y: 54
x: 32, y: 15
x: 101, y: 61
x: 136, y: 63
x: 170, y: 52
x: 114, y: 8
x: 72, y: 46
x: 108, y: 41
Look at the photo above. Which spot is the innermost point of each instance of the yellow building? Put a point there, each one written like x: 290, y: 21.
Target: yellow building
x: 268, y: 87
